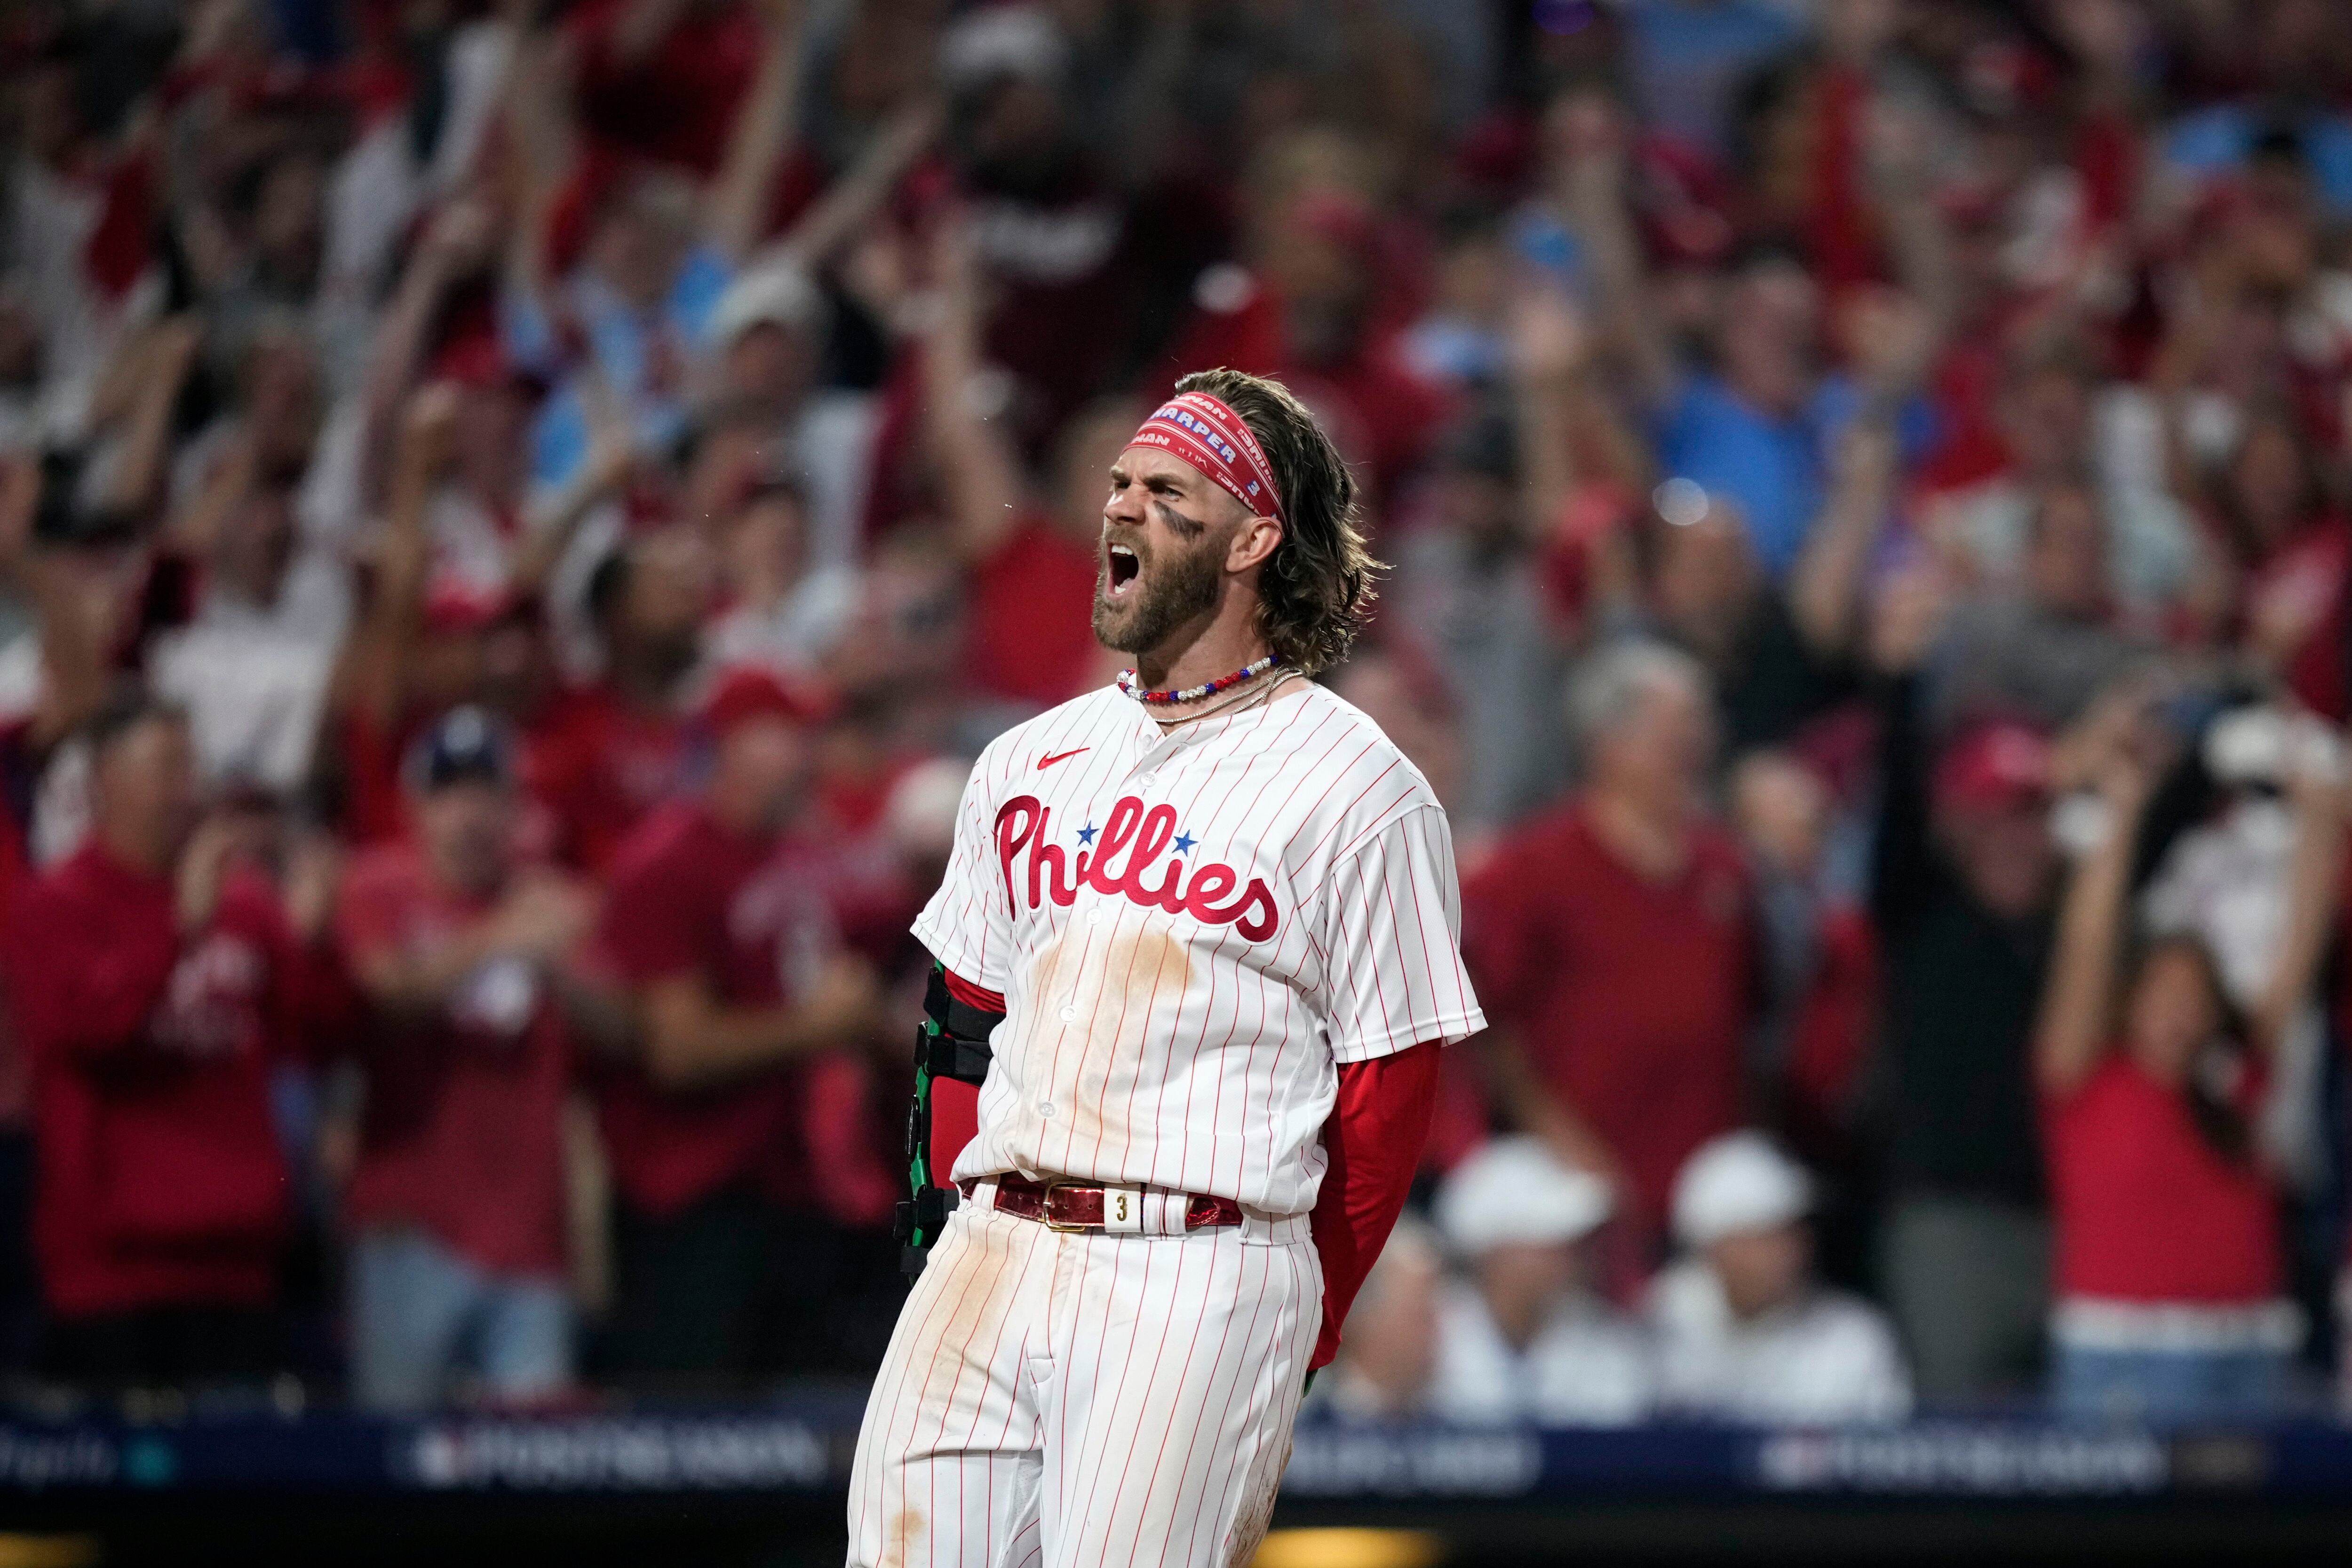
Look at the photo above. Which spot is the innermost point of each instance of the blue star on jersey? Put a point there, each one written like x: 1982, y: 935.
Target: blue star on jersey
x: 1184, y: 842
x: 1086, y: 834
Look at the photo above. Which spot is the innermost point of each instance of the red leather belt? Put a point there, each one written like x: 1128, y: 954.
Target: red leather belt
x: 1065, y: 1205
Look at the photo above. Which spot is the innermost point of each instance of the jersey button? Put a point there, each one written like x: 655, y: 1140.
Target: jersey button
x: 1069, y: 1015
x: 1045, y: 1108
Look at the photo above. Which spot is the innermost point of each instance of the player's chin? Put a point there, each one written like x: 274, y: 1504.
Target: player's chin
x: 1118, y: 616
x: 1111, y: 621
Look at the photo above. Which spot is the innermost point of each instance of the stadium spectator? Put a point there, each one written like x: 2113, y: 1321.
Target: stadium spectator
x: 2058, y: 429
x: 1960, y: 887
x: 1744, y: 1331
x: 612, y: 750
x: 155, y: 977
x: 1527, y: 1337
x: 1317, y: 306
x: 2276, y: 517
x: 2172, y: 1302
x: 1467, y: 586
x: 785, y: 610
x: 1760, y: 424
x: 1092, y: 252
x: 1811, y: 1046
x: 2227, y: 881
x: 251, y: 665
x: 456, y: 1198
x: 2039, y: 653
x: 722, y: 951
x: 1030, y: 563
x: 1612, y: 941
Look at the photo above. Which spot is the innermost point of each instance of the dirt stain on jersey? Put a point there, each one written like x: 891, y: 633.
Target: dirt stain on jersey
x: 1113, y: 985
x: 899, y: 1543
x: 978, y: 1286
x: 1145, y: 969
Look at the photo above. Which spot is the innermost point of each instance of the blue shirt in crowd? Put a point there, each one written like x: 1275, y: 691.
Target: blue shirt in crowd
x: 2216, y: 140
x: 1776, y: 468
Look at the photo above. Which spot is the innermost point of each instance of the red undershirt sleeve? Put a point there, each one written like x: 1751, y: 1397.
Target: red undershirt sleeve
x: 973, y: 996
x: 1373, y: 1142
x: 955, y: 1106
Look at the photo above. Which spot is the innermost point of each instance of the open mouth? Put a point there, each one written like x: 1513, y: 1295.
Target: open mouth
x: 1124, y: 567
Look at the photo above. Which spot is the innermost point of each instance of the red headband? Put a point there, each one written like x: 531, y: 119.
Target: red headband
x: 1206, y: 433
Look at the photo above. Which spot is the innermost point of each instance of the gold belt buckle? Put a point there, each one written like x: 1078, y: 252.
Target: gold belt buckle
x: 1046, y: 1208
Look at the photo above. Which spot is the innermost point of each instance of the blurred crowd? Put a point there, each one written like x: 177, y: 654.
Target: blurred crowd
x: 515, y: 515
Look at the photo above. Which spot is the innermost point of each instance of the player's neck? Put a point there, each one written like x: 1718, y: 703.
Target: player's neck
x: 1216, y: 650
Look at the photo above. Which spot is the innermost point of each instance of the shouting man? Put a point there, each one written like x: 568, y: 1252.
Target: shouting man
x: 1201, y: 930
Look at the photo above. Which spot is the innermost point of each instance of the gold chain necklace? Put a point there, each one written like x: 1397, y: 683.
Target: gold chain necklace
x: 1232, y: 705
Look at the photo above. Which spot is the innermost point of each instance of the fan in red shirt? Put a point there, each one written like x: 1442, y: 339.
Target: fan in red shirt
x: 456, y: 1198
x: 1090, y: 253
x: 609, y: 752
x: 724, y: 955
x: 2172, y: 1298
x: 663, y: 78
x: 155, y: 980
x: 1612, y: 941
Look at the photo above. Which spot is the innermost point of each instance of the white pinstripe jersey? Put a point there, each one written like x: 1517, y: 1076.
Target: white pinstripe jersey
x: 1190, y: 931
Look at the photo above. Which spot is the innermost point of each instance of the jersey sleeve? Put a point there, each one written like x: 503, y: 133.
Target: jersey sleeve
x: 1391, y: 941
x: 968, y: 923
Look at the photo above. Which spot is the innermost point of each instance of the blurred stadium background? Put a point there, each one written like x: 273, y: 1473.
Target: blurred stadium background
x: 1865, y: 489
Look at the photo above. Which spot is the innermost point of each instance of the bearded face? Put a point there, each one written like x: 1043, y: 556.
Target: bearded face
x: 1166, y: 535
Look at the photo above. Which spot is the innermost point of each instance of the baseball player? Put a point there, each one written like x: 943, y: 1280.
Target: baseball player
x: 1198, y: 942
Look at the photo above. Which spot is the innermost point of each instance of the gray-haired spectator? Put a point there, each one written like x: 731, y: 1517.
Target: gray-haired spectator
x: 1612, y: 943
x: 1526, y: 1336
x: 1745, y: 1333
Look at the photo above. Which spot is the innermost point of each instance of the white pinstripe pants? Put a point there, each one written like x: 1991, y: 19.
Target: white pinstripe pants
x: 1066, y: 1399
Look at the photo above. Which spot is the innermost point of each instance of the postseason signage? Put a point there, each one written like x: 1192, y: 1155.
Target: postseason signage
x: 806, y: 1449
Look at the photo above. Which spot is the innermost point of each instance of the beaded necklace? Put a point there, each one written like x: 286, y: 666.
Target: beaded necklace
x: 1193, y: 693
x: 1256, y: 696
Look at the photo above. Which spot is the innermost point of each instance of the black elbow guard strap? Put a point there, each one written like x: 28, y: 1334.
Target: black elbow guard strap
x: 953, y: 1040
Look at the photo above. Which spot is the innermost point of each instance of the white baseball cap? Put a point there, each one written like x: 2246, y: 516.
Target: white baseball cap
x: 1003, y: 41
x: 772, y: 293
x: 1739, y: 1182
x: 920, y: 814
x: 1515, y: 1190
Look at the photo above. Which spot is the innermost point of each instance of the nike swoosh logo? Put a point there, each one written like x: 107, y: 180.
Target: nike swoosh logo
x: 1045, y: 763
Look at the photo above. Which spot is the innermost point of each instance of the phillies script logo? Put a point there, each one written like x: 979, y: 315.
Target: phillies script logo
x: 1143, y: 836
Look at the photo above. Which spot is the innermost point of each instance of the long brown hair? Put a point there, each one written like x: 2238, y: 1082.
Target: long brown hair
x: 2211, y: 1088
x: 1317, y: 587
